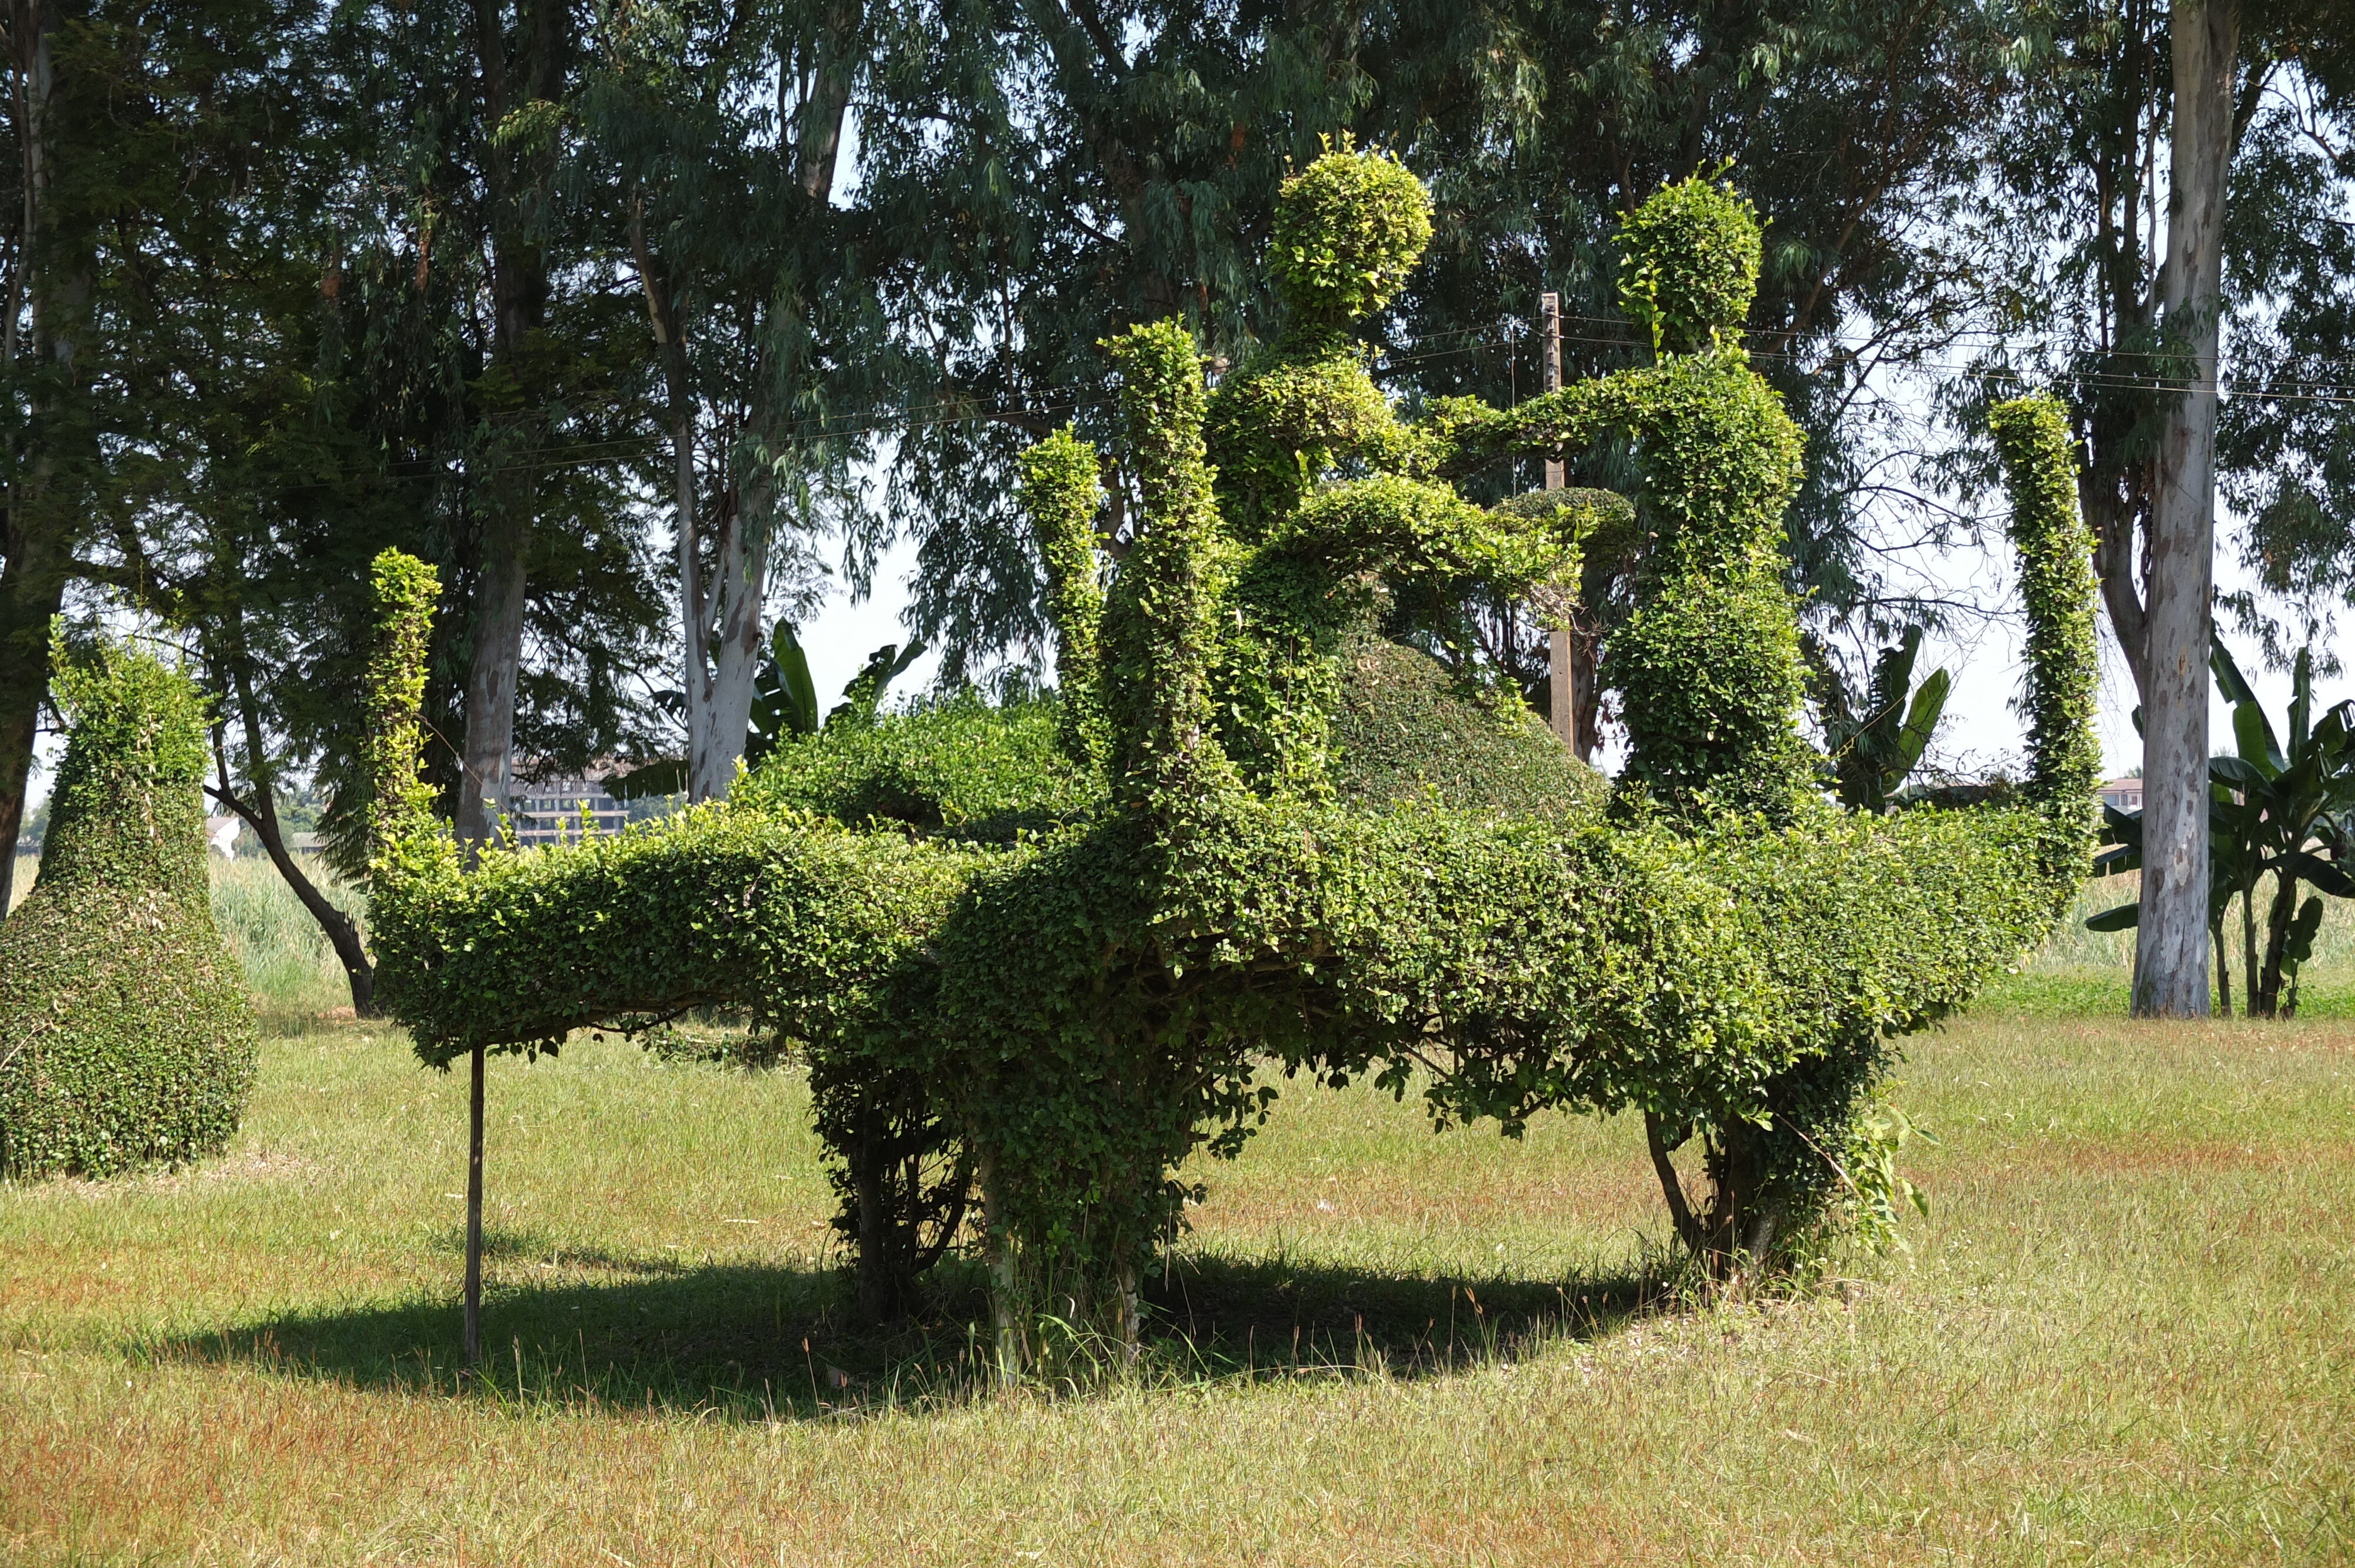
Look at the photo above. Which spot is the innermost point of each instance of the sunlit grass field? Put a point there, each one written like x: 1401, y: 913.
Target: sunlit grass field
x: 2123, y: 1334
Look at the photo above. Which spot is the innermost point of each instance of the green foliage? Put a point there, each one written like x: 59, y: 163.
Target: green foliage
x: 126, y: 1038
x: 1059, y: 492
x: 1159, y: 625
x: 1349, y: 230
x: 784, y: 698
x: 1406, y: 729
x: 1872, y: 752
x: 958, y: 768
x: 2056, y: 586
x: 1689, y: 266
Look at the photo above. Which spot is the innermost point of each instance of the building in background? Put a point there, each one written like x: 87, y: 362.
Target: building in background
x: 549, y: 810
x: 2125, y: 794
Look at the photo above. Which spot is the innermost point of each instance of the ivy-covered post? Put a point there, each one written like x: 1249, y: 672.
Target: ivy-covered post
x: 1061, y: 493
x: 2058, y: 588
x: 410, y: 859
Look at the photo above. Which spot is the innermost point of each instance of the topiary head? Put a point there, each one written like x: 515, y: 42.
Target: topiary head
x: 1349, y: 229
x: 126, y: 809
x: 1688, y: 265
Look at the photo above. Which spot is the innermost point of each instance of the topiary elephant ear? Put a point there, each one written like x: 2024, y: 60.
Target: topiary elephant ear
x: 1349, y: 230
x: 126, y: 1037
x: 1689, y: 266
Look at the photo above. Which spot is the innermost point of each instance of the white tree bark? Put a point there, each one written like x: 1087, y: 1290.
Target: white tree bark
x: 730, y: 644
x: 2172, y: 945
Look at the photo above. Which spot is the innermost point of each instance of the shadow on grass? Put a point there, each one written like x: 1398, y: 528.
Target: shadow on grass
x: 755, y: 1341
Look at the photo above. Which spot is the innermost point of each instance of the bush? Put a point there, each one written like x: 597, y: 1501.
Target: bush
x: 959, y: 768
x: 126, y: 1038
x: 1407, y: 730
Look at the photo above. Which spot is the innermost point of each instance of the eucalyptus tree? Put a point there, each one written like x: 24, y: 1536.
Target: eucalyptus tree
x: 709, y: 140
x: 2222, y: 125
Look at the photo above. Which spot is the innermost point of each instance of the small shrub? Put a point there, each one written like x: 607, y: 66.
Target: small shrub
x: 126, y: 1038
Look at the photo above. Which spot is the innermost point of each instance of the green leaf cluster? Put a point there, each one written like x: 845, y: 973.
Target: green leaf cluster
x: 1349, y: 230
x: 1690, y: 266
x: 126, y: 1037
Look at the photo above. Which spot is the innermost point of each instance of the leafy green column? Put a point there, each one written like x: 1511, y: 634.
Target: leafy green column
x: 126, y: 1037
x: 1059, y: 493
x: 2057, y: 589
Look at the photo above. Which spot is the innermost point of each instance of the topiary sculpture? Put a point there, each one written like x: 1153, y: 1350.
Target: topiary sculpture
x: 1209, y: 881
x: 126, y: 1037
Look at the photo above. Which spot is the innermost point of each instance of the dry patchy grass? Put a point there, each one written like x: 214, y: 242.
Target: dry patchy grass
x: 2123, y: 1335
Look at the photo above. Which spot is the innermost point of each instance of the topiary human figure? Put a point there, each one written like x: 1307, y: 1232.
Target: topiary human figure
x: 1708, y: 663
x: 1071, y: 1009
x: 126, y: 1037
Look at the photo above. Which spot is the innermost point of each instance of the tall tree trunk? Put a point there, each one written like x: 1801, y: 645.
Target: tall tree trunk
x: 2172, y: 946
x: 518, y: 310
x: 40, y: 519
x: 731, y: 641
x: 670, y: 348
x: 724, y: 634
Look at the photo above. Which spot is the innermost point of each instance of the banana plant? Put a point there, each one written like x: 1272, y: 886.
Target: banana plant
x: 784, y: 698
x: 1876, y: 745
x: 2301, y: 794
x: 784, y: 708
x: 2275, y: 810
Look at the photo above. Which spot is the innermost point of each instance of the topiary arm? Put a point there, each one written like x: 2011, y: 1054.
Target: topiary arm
x: 1463, y: 435
x: 1060, y: 493
x: 2057, y: 588
x: 1160, y: 635
x: 1409, y: 529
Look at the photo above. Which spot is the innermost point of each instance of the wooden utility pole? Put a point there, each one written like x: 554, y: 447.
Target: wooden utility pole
x: 1564, y: 716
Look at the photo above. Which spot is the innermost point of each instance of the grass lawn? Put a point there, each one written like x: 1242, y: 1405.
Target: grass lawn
x: 2123, y: 1335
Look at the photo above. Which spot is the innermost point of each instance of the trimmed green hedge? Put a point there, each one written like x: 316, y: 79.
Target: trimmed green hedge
x: 126, y: 1037
x: 959, y: 768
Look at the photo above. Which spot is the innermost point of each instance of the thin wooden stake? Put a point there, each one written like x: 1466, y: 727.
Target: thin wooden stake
x: 474, y: 1218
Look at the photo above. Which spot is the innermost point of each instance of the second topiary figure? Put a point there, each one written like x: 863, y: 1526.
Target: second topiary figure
x: 126, y: 1037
